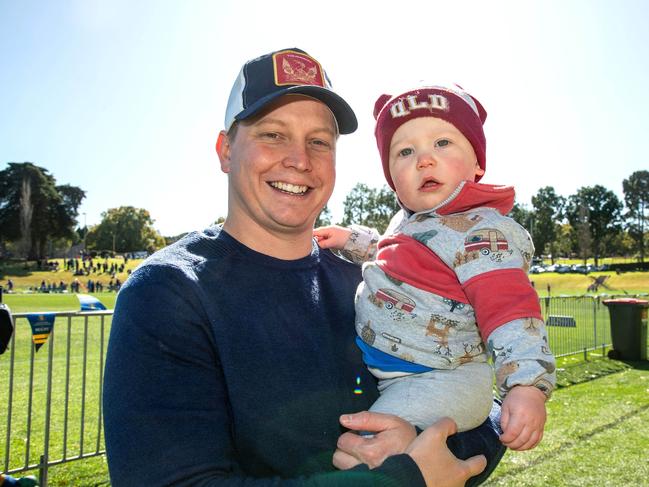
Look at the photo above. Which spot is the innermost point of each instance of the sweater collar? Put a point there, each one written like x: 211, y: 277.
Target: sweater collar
x: 469, y: 195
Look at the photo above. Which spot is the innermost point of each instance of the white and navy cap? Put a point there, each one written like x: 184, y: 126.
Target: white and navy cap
x: 289, y: 71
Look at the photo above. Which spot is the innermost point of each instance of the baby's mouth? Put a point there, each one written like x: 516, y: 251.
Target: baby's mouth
x: 430, y: 183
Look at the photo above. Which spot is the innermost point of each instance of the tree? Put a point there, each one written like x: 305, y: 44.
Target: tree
x: 594, y: 213
x: 563, y: 243
x: 548, y: 213
x: 324, y: 218
x: 369, y: 206
x: 636, y: 198
x: 125, y: 229
x: 522, y: 215
x: 33, y: 209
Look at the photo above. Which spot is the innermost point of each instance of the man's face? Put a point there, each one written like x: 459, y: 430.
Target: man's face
x: 428, y: 159
x: 281, y: 167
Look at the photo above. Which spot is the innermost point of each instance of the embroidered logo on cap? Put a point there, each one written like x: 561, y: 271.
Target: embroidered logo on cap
x: 295, y: 68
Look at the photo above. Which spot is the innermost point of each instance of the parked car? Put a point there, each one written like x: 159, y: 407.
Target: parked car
x: 582, y: 268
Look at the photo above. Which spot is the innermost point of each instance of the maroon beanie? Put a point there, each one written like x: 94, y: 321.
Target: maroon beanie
x: 451, y: 104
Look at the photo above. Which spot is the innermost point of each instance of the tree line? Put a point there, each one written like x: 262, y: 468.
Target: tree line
x: 38, y: 215
x: 591, y: 223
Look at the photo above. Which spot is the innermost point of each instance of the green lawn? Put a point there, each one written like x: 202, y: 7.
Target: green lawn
x: 597, y: 432
x: 553, y: 284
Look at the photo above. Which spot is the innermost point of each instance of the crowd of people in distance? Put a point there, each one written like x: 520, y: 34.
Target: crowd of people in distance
x: 86, y: 266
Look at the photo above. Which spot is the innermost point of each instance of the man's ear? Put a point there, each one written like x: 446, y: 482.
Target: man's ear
x: 223, y: 151
x: 478, y: 170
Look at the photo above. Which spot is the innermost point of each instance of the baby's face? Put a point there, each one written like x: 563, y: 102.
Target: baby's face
x: 428, y: 159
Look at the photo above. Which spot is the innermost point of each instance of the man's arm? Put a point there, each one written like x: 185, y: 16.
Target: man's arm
x: 166, y: 402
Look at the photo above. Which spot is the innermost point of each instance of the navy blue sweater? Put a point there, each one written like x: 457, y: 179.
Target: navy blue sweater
x: 229, y: 367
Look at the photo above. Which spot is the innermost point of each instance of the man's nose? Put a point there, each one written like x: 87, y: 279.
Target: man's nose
x: 297, y: 157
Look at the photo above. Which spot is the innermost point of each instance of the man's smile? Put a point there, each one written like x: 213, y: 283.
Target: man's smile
x: 289, y: 188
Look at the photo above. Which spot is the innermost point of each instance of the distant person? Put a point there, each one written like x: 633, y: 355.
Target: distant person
x: 447, y: 284
x: 231, y: 358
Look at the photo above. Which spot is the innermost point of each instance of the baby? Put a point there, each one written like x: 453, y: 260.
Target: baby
x: 447, y: 284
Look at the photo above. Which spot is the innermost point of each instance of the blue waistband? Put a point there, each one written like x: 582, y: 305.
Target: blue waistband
x: 375, y: 358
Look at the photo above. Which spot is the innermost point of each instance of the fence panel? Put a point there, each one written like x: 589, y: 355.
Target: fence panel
x: 53, y: 396
x: 577, y: 323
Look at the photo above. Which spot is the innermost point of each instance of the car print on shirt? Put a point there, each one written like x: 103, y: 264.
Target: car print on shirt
x: 392, y: 299
x: 486, y: 241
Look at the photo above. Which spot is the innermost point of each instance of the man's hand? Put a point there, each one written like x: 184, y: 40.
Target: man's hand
x: 523, y: 418
x: 392, y: 435
x: 438, y: 465
x: 332, y: 237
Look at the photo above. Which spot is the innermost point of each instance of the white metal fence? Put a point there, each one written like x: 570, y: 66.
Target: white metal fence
x: 53, y: 396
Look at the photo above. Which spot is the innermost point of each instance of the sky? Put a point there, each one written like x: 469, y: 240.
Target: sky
x: 125, y: 98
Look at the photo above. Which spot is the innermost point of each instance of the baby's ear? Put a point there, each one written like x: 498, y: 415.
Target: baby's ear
x: 379, y: 104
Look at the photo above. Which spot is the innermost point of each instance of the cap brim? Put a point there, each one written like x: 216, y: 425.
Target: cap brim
x: 344, y: 114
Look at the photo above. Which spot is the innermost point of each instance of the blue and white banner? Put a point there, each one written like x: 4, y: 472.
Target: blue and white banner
x: 89, y: 303
x: 42, y: 325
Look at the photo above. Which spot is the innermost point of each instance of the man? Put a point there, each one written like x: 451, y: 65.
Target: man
x: 232, y: 354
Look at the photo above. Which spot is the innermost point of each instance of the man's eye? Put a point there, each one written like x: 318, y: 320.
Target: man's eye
x: 321, y: 143
x: 270, y: 135
x: 406, y: 152
x: 442, y: 143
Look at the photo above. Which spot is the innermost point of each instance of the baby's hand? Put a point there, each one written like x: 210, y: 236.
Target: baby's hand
x: 332, y: 237
x: 523, y: 417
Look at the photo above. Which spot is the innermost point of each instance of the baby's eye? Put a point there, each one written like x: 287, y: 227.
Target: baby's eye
x: 442, y: 143
x: 406, y: 152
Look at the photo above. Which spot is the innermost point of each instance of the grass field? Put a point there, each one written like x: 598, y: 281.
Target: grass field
x: 577, y: 284
x: 597, y: 433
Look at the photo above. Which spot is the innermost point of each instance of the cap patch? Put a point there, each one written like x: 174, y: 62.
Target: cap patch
x: 403, y: 106
x: 296, y: 68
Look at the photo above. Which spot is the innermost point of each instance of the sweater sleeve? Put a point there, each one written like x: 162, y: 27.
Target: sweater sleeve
x: 492, y: 267
x: 361, y: 246
x: 166, y: 403
x: 521, y: 356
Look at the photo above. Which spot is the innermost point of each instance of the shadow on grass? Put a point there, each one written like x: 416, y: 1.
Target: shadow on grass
x: 593, y: 369
x: 638, y: 365
x: 561, y: 448
x: 16, y: 269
